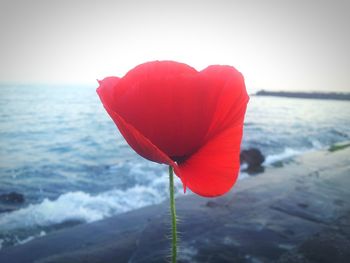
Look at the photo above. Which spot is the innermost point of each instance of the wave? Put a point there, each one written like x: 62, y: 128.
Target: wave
x: 286, y: 154
x: 85, y: 207
x: 30, y: 238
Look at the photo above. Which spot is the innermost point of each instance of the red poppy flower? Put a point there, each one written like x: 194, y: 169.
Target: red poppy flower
x: 170, y: 113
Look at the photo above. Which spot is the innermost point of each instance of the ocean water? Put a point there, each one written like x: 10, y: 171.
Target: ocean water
x: 60, y: 149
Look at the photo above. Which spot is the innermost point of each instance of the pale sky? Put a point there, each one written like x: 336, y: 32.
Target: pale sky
x: 277, y: 45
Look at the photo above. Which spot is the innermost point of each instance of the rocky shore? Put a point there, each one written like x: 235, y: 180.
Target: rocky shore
x: 299, y: 212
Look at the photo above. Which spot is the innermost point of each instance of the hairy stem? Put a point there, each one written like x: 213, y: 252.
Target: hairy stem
x: 173, y: 216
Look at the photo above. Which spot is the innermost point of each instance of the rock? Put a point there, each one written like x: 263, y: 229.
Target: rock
x: 212, y: 204
x: 12, y: 197
x: 253, y: 158
x: 328, y: 245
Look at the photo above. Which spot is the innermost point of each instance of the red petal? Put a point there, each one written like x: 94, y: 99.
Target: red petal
x: 142, y: 145
x: 213, y: 170
x: 169, y: 104
x: 106, y: 91
x: 231, y: 101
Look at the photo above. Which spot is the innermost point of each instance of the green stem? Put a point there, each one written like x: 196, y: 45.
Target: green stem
x: 173, y: 216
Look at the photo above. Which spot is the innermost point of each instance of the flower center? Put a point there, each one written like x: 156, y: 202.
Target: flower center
x: 179, y: 159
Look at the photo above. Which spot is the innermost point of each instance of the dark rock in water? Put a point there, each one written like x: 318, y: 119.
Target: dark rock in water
x: 253, y: 158
x: 12, y: 197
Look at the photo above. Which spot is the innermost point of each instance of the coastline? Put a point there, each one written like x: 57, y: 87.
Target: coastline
x: 306, y: 95
x: 278, y: 216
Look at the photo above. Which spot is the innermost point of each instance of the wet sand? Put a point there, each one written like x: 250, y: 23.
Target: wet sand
x: 299, y: 212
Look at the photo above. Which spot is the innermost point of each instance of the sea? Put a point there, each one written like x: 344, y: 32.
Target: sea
x: 62, y: 152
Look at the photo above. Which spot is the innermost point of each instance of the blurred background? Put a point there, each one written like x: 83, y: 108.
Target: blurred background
x: 62, y: 160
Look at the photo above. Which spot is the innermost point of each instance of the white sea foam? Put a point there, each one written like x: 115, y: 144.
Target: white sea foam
x: 243, y: 175
x: 317, y: 144
x: 84, y: 207
x: 30, y: 238
x: 286, y: 154
x: 244, y: 166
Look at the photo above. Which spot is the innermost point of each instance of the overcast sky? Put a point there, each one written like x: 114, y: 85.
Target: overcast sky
x: 277, y: 45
